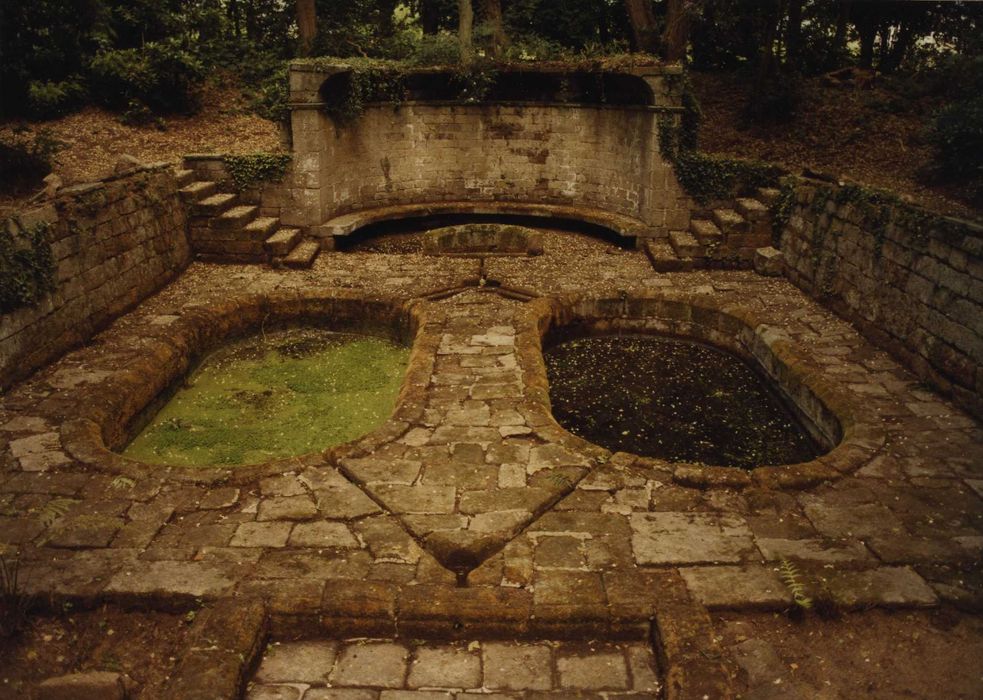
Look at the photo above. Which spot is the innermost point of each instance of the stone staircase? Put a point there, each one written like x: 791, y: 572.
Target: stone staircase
x: 223, y: 229
x: 724, y: 235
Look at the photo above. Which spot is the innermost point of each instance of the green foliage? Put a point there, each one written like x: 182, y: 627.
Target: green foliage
x: 162, y: 76
x: 55, y: 509
x: 365, y: 83
x: 792, y: 579
x: 26, y: 267
x: 24, y: 161
x: 269, y: 97
x: 249, y: 170
x: 47, y: 99
x: 440, y: 49
x: 957, y: 135
x: 781, y: 209
x: 14, y: 602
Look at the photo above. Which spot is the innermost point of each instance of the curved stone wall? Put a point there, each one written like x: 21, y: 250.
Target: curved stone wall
x: 598, y: 157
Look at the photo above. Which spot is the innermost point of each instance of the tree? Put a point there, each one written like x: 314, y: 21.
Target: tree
x: 465, y: 31
x: 677, y: 30
x: 641, y: 17
x: 306, y: 25
x: 492, y: 11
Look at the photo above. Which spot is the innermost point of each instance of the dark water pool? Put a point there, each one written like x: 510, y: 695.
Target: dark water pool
x: 672, y: 399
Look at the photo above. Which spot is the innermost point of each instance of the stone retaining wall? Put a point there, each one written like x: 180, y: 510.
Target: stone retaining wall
x: 114, y: 242
x: 911, y: 281
x: 597, y: 156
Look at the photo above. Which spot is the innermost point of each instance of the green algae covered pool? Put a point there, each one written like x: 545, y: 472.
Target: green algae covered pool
x: 276, y: 395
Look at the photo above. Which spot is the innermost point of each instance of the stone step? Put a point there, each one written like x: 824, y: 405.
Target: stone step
x: 302, y: 256
x: 729, y: 221
x: 751, y: 209
x: 705, y: 231
x: 685, y: 245
x: 768, y: 195
x: 184, y: 176
x: 282, y: 242
x: 260, y: 228
x: 664, y: 258
x: 235, y: 218
x: 214, y: 205
x: 196, y: 191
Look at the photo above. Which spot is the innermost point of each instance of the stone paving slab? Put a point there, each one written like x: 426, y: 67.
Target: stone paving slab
x: 471, y: 481
x: 380, y: 668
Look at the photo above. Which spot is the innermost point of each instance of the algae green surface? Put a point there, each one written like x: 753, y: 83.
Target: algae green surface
x: 278, y: 395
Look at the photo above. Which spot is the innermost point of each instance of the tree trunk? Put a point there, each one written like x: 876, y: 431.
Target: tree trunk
x: 793, y: 34
x: 838, y: 48
x: 766, y: 56
x: 429, y: 17
x: 492, y: 11
x: 865, y: 19
x: 642, y: 20
x: 233, y: 13
x: 465, y: 31
x: 677, y: 31
x: 306, y: 26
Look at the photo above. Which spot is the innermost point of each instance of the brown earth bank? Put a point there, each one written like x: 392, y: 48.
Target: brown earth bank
x: 93, y: 139
x: 927, y: 654
x: 143, y: 645
x: 874, y: 135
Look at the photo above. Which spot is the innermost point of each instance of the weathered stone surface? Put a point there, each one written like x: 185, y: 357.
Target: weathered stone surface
x: 517, y: 666
x: 593, y: 671
x: 445, y: 667
x: 888, y: 586
x: 812, y: 550
x: 377, y: 664
x: 270, y: 534
x: 322, y: 534
x: 722, y: 587
x: 689, y: 538
x: 297, y: 662
x: 90, y: 685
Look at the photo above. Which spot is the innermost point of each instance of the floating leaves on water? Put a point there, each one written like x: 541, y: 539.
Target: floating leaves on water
x: 671, y: 399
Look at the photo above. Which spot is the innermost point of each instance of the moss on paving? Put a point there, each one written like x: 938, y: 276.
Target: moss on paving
x: 278, y: 395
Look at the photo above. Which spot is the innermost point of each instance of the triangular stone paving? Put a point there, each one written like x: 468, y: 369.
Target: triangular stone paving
x: 471, y: 472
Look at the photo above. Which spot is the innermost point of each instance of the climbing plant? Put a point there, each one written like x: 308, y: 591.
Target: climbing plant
x: 249, y: 170
x: 27, y: 270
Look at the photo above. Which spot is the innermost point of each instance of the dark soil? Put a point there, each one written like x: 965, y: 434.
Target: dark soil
x: 671, y: 399
x: 143, y: 645
x: 917, y: 655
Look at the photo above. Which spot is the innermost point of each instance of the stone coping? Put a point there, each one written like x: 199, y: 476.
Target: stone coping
x: 103, y: 417
x: 835, y: 416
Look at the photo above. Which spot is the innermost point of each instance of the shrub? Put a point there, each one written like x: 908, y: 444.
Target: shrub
x: 440, y: 49
x: 957, y: 135
x: 269, y: 98
x: 46, y: 100
x: 24, y: 161
x: 161, y: 75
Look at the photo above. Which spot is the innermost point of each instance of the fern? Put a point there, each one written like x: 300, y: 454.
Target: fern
x: 54, y: 509
x: 122, y: 482
x: 790, y: 577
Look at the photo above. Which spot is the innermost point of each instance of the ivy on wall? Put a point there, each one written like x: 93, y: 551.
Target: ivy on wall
x: 27, y: 270
x: 706, y: 177
x: 249, y: 170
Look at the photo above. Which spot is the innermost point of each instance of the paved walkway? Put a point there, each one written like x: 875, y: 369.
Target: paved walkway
x: 472, y: 484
